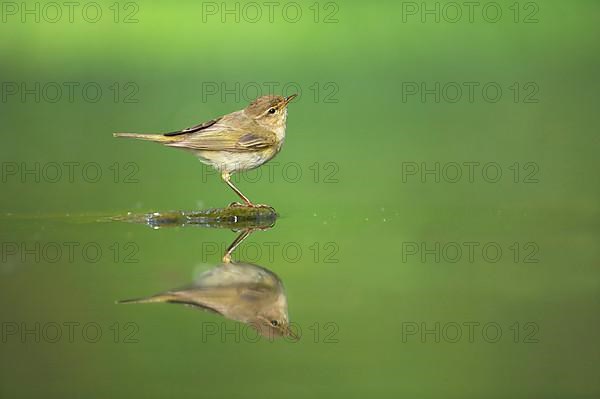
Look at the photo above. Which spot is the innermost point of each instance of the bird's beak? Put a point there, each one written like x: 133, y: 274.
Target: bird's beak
x: 288, y: 99
x: 289, y: 333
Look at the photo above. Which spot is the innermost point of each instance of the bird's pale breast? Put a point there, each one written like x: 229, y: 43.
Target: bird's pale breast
x: 236, y: 161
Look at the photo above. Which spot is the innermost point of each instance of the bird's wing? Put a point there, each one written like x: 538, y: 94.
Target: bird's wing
x: 227, y: 138
x: 222, y: 300
x: 194, y: 129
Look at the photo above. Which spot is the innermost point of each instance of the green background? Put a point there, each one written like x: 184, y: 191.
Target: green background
x: 356, y: 125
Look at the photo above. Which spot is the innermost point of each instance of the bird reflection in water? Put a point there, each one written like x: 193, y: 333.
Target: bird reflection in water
x: 239, y: 291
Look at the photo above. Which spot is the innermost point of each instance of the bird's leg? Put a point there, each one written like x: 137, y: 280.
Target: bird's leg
x: 238, y: 240
x: 227, y: 178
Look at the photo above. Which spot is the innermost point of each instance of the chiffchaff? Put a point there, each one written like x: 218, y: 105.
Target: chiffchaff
x: 235, y: 142
x: 242, y: 292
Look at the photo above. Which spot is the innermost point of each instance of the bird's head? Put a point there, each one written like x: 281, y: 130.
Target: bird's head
x: 274, y: 326
x: 270, y: 111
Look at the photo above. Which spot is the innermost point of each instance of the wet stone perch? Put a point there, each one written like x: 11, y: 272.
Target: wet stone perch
x: 232, y: 217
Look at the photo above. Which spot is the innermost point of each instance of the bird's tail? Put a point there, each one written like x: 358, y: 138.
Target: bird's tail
x: 159, y: 138
x: 150, y: 299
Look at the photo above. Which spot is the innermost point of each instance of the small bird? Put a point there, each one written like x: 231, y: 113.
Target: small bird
x: 238, y: 291
x: 236, y: 142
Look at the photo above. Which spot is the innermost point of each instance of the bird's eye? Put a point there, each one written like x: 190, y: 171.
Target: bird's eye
x: 272, y: 110
x: 274, y: 323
